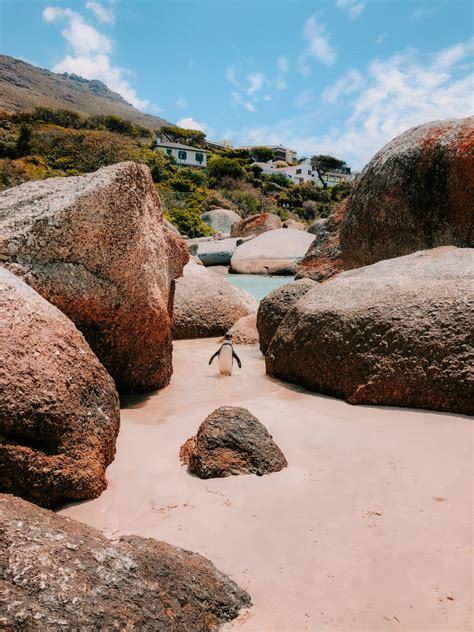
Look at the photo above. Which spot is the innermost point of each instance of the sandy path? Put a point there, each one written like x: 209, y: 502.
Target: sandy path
x: 369, y: 528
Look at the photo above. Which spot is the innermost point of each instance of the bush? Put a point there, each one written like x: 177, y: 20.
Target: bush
x: 219, y: 168
x: 246, y: 202
x: 188, y: 221
x: 84, y: 151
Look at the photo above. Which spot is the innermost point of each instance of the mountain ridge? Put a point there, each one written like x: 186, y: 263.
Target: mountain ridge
x: 24, y: 86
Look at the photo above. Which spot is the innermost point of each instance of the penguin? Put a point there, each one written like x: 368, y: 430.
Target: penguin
x: 226, y: 355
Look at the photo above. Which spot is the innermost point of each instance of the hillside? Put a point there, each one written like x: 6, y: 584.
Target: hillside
x: 23, y: 86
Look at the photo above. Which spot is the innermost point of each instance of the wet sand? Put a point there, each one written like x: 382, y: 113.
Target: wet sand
x: 369, y: 528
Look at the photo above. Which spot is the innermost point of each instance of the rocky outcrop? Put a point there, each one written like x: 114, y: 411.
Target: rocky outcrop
x: 256, y: 225
x: 293, y: 223
x: 244, y: 331
x: 59, y: 410
x: 324, y: 259
x: 231, y: 441
x: 59, y: 574
x: 397, y: 333
x: 207, y: 305
x: 416, y: 193
x: 274, y: 252
x: 95, y: 247
x: 275, y: 305
x: 220, y: 219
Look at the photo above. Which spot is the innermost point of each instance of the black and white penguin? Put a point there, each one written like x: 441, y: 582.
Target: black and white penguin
x: 226, y: 355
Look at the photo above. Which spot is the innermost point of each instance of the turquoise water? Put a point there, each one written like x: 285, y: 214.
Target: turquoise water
x: 257, y: 285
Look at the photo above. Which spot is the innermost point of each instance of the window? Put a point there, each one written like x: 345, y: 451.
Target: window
x: 199, y: 157
x: 169, y: 152
x: 309, y: 172
x: 298, y: 171
x: 332, y: 179
x: 182, y: 155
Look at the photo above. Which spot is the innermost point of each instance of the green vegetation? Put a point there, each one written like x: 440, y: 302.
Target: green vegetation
x: 175, y: 134
x: 46, y: 143
x: 322, y: 164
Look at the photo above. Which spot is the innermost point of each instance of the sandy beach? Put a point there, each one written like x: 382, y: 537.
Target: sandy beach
x: 369, y: 528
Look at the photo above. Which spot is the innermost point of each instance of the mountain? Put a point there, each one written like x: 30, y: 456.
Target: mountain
x: 23, y: 87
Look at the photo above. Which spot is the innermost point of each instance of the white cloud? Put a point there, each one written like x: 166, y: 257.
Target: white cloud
x: 103, y: 14
x: 280, y: 84
x: 190, y: 123
x: 351, y: 82
x: 248, y: 105
x: 400, y: 92
x: 283, y: 65
x: 303, y: 99
x: 256, y: 81
x: 381, y: 38
x: 318, y: 46
x: 181, y: 102
x: 83, y: 38
x: 231, y: 75
x: 353, y: 8
x: 90, y: 54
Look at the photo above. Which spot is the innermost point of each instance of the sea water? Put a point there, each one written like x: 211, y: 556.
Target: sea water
x: 258, y: 285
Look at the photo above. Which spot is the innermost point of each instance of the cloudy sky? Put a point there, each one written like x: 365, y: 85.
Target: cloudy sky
x: 329, y: 76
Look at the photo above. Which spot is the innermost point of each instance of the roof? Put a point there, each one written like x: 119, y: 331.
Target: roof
x: 179, y: 146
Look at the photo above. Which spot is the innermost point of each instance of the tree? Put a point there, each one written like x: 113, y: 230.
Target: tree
x: 175, y: 134
x: 322, y: 164
x: 219, y: 168
x: 261, y: 154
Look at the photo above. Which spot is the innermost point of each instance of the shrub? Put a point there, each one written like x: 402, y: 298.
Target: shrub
x: 188, y: 221
x: 219, y: 168
x: 248, y: 203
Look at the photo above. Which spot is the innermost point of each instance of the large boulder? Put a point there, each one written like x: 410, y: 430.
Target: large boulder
x: 216, y: 253
x: 59, y: 410
x: 244, y: 331
x: 416, y: 193
x: 232, y: 441
x: 59, y: 574
x: 275, y: 305
x: 396, y: 333
x: 207, y: 304
x: 275, y: 252
x: 95, y: 247
x: 220, y: 219
x: 256, y: 225
x: 323, y: 259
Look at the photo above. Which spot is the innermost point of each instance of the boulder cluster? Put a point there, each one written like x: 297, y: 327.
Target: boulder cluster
x: 383, y: 311
x: 87, y: 287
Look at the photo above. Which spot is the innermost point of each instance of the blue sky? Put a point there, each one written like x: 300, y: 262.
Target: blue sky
x: 332, y: 76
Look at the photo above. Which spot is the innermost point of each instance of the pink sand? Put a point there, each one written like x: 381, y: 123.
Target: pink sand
x: 369, y: 528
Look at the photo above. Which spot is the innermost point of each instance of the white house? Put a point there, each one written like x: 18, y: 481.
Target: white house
x: 304, y: 172
x: 184, y: 155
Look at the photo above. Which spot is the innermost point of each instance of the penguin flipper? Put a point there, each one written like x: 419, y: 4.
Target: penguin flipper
x: 239, y: 363
x: 214, y: 356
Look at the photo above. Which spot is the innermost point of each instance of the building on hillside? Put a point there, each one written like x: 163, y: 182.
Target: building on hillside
x: 304, y: 172
x: 184, y: 155
x: 279, y: 152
